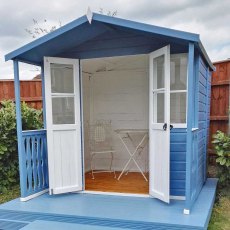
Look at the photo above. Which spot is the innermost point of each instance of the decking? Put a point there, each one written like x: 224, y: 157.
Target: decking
x: 91, y: 212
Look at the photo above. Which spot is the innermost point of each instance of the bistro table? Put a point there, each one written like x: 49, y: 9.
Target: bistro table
x: 126, y: 134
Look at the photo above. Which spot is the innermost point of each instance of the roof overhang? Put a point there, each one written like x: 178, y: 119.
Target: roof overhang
x: 105, y: 36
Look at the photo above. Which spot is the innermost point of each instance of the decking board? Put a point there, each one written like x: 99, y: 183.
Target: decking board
x: 113, y: 211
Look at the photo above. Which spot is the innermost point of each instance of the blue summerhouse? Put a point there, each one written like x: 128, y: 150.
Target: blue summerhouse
x: 151, y: 83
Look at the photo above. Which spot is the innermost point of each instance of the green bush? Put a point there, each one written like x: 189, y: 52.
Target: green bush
x: 31, y: 119
x: 222, y: 147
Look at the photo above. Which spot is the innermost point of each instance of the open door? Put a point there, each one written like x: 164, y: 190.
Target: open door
x: 159, y: 123
x: 63, y: 124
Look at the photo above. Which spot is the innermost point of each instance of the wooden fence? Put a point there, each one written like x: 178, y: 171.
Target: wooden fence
x: 31, y: 92
x: 219, y: 114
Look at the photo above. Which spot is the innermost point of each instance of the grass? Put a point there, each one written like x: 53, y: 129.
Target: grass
x: 10, y: 194
x: 220, y: 219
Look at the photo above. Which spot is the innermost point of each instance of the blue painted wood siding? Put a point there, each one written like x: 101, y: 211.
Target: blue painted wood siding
x: 203, y: 120
x: 200, y: 119
x: 35, y: 164
x: 208, y: 105
x: 177, y: 162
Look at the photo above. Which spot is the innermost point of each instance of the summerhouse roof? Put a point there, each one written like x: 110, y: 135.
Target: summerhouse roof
x: 97, y: 35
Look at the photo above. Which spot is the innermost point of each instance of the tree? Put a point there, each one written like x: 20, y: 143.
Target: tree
x: 41, y: 28
x: 109, y: 13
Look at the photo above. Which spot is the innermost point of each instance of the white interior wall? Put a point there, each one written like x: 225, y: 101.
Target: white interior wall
x: 86, y: 117
x: 116, y: 90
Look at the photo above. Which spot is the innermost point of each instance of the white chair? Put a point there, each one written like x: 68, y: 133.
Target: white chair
x: 101, y: 144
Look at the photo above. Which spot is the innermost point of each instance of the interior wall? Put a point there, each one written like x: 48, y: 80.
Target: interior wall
x: 86, y: 117
x: 120, y: 95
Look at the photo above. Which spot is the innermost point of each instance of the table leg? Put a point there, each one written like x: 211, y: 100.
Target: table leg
x: 135, y: 151
x: 124, y: 168
x: 139, y: 169
x: 132, y: 156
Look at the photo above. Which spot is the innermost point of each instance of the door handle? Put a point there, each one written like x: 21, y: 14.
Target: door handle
x: 171, y: 126
x: 165, y: 126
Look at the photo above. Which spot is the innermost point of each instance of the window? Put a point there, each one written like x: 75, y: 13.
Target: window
x: 62, y: 93
x: 178, y: 88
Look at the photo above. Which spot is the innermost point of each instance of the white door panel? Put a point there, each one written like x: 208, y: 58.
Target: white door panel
x: 159, y: 123
x: 63, y: 125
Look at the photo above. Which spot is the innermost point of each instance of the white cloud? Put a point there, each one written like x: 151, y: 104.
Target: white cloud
x: 209, y: 18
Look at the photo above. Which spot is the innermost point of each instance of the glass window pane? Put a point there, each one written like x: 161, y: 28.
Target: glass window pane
x: 62, y: 78
x: 158, y: 65
x: 178, y: 107
x: 178, y: 72
x: 160, y: 107
x: 63, y: 110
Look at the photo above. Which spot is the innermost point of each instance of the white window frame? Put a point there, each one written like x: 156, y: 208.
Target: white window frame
x: 65, y: 95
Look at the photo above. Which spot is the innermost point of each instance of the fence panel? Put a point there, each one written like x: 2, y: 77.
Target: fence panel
x: 31, y: 92
x: 219, y: 114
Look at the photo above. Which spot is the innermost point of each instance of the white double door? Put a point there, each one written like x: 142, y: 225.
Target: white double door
x: 63, y: 108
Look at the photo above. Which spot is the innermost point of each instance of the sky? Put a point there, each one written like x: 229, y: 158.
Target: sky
x: 209, y: 18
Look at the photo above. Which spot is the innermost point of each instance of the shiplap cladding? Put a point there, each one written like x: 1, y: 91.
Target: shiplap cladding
x: 177, y: 161
x: 203, y: 120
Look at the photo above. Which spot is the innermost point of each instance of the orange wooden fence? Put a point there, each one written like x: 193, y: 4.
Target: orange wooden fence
x: 31, y: 92
x: 219, y: 114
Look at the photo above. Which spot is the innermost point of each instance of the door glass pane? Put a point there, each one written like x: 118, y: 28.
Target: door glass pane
x: 63, y: 110
x: 178, y: 72
x: 178, y: 107
x: 62, y: 80
x: 158, y: 64
x: 160, y: 107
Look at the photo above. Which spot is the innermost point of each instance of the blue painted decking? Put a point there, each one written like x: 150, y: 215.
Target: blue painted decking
x: 111, y: 212
x: 48, y: 225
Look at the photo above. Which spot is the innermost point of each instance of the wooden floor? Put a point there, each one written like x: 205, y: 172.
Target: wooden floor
x: 133, y: 182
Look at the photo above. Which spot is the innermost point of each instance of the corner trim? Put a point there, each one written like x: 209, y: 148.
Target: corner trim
x: 186, y: 211
x: 24, y: 199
